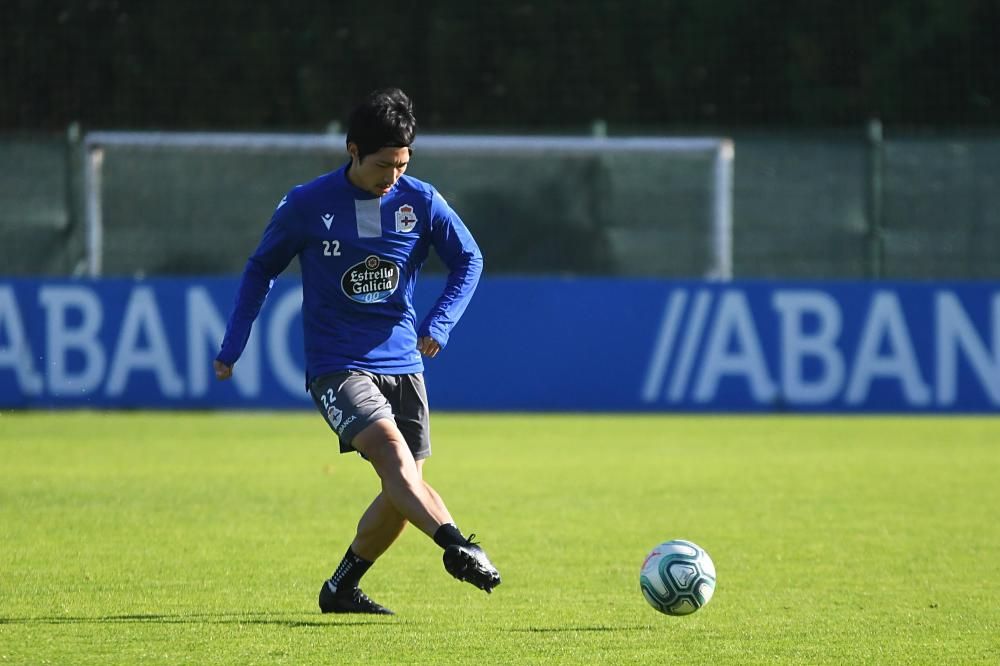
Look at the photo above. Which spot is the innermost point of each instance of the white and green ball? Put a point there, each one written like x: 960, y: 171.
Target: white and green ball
x: 677, y: 577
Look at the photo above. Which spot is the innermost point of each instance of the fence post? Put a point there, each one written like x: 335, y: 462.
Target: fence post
x: 75, y: 250
x: 875, y: 240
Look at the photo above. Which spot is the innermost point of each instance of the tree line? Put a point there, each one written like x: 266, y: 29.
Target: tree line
x: 301, y: 64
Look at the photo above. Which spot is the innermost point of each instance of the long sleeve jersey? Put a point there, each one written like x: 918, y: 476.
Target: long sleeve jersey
x: 360, y: 256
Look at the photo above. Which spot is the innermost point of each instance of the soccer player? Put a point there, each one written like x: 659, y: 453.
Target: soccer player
x: 361, y: 234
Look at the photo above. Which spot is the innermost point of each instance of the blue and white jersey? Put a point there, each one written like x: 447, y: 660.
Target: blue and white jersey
x: 360, y: 256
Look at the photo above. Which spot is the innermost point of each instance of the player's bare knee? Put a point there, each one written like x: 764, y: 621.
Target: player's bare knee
x: 379, y: 441
x: 388, y: 457
x: 384, y: 447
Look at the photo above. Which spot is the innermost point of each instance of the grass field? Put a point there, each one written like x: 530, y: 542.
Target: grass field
x: 202, y: 538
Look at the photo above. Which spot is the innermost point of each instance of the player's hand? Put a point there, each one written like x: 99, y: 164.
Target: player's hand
x: 222, y: 371
x: 428, y: 346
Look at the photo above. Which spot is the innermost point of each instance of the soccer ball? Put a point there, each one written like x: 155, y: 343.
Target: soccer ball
x: 677, y: 577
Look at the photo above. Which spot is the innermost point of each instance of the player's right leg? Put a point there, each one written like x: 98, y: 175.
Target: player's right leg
x: 402, y: 483
x: 359, y: 412
x: 383, y: 445
x: 381, y: 524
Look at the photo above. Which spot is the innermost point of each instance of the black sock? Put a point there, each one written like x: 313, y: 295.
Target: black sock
x: 449, y: 535
x: 349, y: 573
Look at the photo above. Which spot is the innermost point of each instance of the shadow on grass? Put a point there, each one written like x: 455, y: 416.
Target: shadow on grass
x: 570, y: 629
x: 291, y: 620
x: 194, y: 618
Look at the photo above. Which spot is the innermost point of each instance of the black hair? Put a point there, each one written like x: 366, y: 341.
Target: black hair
x: 384, y: 119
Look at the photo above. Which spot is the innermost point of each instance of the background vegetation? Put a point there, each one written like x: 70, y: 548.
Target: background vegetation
x: 302, y: 63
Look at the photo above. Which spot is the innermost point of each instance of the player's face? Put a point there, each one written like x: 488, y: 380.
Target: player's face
x: 378, y: 171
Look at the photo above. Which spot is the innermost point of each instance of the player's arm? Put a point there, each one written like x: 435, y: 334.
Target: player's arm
x: 278, y: 246
x: 458, y: 250
x: 222, y: 371
x: 428, y: 346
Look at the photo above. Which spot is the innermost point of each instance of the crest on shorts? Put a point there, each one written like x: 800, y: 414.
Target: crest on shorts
x: 334, y: 415
x: 406, y: 219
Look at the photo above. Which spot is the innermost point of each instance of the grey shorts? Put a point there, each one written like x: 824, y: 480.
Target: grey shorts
x: 352, y: 400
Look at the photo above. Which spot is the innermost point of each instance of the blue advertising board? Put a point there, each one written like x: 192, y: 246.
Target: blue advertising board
x: 529, y: 344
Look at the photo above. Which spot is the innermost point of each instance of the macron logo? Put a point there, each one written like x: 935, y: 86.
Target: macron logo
x: 328, y: 220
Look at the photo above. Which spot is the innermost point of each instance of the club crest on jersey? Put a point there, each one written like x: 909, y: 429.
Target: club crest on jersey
x: 372, y: 281
x: 406, y: 219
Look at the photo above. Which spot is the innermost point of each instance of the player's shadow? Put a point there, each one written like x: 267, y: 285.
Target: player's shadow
x: 573, y: 629
x: 191, y: 618
x: 265, y: 619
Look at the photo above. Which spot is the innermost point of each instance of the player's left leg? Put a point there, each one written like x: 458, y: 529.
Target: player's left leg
x: 380, y: 526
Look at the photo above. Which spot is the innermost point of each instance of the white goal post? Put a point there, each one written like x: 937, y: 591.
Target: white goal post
x: 719, y: 151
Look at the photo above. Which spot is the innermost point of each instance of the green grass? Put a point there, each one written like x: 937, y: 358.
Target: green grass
x: 202, y: 538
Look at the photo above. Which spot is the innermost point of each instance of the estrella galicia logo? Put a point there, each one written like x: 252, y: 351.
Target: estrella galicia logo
x: 371, y: 281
